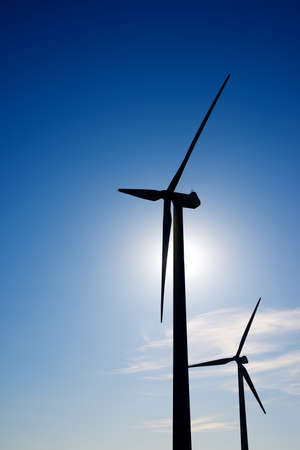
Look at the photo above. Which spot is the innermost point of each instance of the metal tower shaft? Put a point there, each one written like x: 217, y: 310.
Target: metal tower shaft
x: 243, y: 421
x: 181, y: 396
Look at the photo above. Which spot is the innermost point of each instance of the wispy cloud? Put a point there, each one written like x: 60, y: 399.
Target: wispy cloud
x: 289, y: 361
x: 198, y: 425
x: 216, y: 334
x: 280, y: 362
x: 140, y: 366
x: 220, y: 331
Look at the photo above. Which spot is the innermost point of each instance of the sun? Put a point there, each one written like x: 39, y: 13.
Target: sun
x: 201, y: 258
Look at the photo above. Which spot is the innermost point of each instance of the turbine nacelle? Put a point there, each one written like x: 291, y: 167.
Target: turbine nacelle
x: 241, y: 359
x: 184, y: 200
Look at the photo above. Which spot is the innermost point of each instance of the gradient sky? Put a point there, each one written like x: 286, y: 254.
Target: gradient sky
x: 99, y: 95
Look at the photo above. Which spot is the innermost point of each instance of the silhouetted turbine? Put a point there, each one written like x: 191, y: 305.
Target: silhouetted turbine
x: 242, y: 374
x: 181, y: 396
x: 183, y: 200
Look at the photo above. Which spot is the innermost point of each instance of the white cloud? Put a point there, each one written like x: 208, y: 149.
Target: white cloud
x: 282, y: 361
x: 213, y: 426
x: 140, y: 366
x: 198, y: 425
x: 217, y: 334
x: 221, y: 331
x: 291, y: 358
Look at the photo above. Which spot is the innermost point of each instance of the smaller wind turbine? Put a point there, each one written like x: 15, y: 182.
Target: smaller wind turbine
x: 242, y: 374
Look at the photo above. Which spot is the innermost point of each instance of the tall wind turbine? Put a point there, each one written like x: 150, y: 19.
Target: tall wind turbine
x: 181, y: 399
x: 242, y: 374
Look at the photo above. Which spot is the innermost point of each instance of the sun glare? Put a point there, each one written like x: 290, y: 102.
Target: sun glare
x: 202, y: 258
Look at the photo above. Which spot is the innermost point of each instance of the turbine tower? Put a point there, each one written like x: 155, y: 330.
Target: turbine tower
x: 242, y: 374
x: 181, y: 398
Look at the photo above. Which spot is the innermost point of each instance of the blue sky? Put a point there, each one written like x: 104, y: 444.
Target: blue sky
x: 97, y: 96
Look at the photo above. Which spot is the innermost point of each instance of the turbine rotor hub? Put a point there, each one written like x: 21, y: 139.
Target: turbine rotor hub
x: 242, y: 359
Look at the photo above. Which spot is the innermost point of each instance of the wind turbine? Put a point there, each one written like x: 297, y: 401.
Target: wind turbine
x: 181, y: 399
x: 242, y: 374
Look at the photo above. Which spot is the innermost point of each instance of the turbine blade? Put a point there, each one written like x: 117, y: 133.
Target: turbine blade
x: 216, y: 362
x: 167, y: 221
x: 147, y: 194
x: 251, y: 386
x: 176, y: 178
x: 247, y: 329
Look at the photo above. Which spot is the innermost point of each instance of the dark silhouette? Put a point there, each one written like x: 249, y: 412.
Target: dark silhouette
x: 181, y: 398
x: 242, y: 374
x: 187, y: 201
